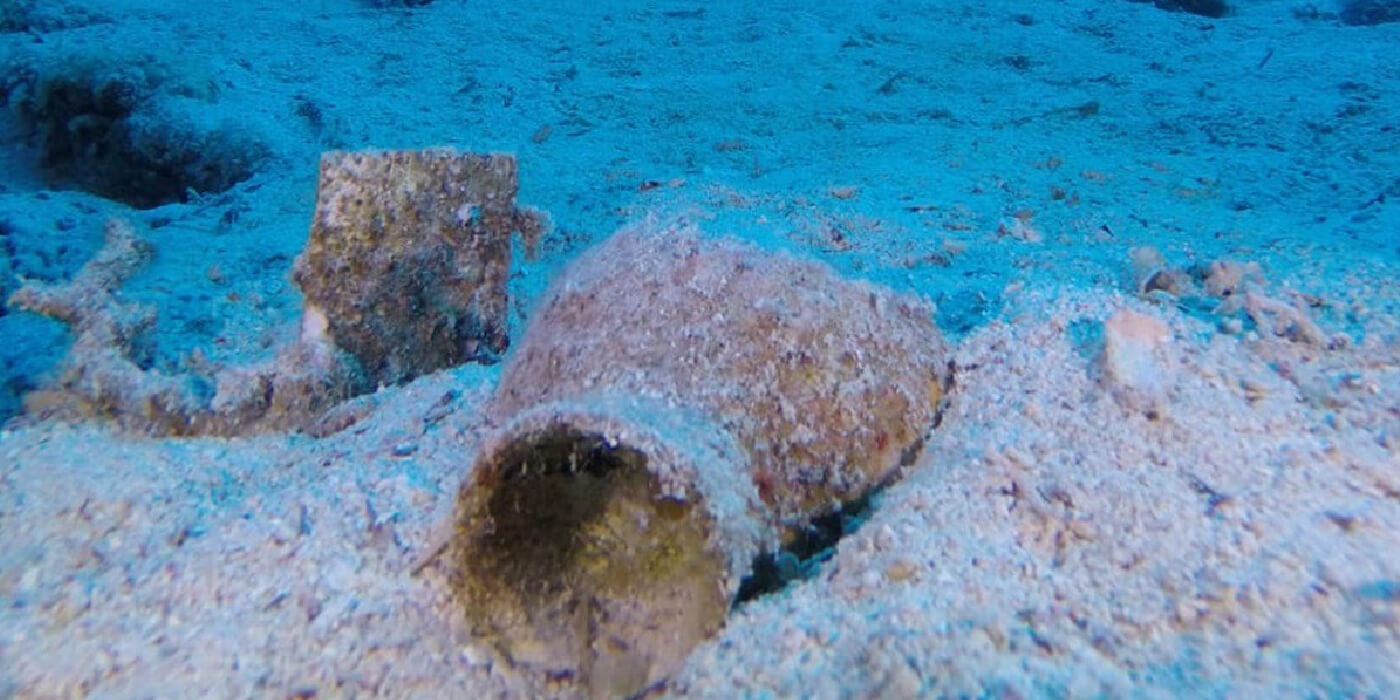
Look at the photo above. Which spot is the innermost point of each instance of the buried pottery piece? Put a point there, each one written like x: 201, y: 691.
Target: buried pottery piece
x: 676, y: 407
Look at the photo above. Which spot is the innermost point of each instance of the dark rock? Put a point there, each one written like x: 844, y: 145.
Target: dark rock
x: 1206, y: 8
x: 1366, y: 13
x: 110, y: 134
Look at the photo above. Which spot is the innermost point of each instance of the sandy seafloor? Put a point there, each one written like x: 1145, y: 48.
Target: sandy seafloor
x: 1054, y: 540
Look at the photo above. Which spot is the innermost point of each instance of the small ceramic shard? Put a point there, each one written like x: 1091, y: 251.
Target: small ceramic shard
x: 1136, y: 360
x: 409, y: 254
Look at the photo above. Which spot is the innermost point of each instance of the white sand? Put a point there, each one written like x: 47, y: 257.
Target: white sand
x: 1053, y: 541
x: 1050, y: 543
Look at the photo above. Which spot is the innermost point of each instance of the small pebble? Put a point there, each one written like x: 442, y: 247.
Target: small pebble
x: 901, y: 571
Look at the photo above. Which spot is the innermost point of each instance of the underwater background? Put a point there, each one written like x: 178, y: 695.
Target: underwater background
x: 1162, y: 240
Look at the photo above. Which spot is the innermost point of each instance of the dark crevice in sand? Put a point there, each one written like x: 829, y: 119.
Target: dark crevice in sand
x: 802, y: 559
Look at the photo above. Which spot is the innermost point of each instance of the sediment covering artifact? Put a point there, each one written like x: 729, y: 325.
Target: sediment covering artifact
x: 676, y: 406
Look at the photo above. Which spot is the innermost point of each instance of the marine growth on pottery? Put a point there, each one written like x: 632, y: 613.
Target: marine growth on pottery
x: 676, y: 406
